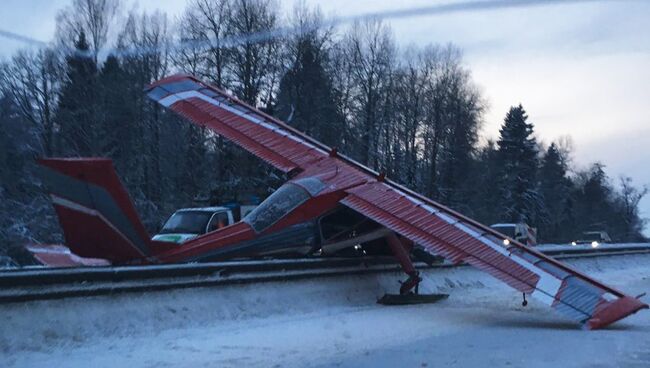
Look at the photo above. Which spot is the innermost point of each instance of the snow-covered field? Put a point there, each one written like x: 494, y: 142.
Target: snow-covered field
x: 331, y: 322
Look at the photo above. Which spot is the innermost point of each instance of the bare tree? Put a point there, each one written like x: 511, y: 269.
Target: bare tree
x: 630, y: 197
x: 255, y: 66
x: 371, y: 50
x: 32, y: 79
x: 409, y: 89
x: 204, y: 22
x: 21, y: 139
x: 308, y: 24
x: 150, y: 34
x: 94, y: 17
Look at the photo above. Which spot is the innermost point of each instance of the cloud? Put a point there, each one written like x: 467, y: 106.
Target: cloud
x: 579, y: 68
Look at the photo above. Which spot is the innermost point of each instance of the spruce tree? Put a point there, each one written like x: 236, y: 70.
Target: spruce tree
x: 517, y: 157
x: 77, y: 106
x: 306, y: 98
x: 485, y: 199
x: 593, y: 202
x: 116, y: 112
x: 555, y: 189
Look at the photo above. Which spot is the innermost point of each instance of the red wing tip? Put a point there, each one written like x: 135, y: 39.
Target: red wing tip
x: 615, y: 311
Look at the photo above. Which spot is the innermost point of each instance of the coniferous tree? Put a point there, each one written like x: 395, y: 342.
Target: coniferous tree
x: 555, y: 189
x: 117, y: 115
x: 485, y: 199
x: 76, y: 115
x: 593, y: 201
x: 518, y: 161
x: 306, y: 98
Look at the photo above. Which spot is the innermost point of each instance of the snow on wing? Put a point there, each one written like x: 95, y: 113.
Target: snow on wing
x: 262, y: 135
x: 459, y: 239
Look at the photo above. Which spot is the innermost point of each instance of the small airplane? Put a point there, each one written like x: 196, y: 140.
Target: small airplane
x: 329, y: 203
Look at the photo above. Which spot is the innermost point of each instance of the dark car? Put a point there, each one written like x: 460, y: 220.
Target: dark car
x: 594, y: 238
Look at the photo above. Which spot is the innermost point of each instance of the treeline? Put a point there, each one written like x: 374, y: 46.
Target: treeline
x: 413, y: 113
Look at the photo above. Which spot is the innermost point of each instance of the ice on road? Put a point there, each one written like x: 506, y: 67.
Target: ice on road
x: 334, y: 322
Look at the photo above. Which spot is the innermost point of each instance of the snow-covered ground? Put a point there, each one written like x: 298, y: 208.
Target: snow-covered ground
x: 330, y: 322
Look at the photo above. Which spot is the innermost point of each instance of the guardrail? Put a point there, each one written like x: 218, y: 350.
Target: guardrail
x: 52, y: 283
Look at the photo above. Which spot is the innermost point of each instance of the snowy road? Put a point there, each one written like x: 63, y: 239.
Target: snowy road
x: 332, y: 323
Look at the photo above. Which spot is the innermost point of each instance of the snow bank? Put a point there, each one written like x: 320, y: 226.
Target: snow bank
x: 52, y: 325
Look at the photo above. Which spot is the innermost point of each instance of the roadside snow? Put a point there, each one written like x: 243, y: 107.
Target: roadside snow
x: 332, y: 322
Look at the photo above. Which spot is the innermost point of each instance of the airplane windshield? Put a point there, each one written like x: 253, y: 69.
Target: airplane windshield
x: 277, y: 205
x: 187, y: 222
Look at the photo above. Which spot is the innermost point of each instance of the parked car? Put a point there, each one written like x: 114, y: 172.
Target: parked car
x: 188, y: 223
x: 520, y: 232
x: 594, y: 238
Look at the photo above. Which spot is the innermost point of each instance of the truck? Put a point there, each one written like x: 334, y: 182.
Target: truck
x: 188, y: 223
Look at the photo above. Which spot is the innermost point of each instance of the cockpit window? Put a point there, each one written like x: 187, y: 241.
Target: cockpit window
x: 276, y: 206
x: 311, y: 184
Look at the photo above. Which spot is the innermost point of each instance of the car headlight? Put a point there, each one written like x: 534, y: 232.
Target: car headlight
x: 574, y: 243
x: 594, y: 244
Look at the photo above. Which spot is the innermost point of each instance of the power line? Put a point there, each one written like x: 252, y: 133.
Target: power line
x: 430, y: 10
x: 466, y: 6
x: 457, y: 7
x: 21, y: 38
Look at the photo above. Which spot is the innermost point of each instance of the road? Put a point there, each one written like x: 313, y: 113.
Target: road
x: 333, y: 322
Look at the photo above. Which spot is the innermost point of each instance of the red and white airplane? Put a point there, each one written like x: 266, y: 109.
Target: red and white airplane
x: 329, y: 202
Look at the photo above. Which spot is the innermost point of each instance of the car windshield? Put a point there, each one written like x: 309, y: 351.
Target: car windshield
x: 187, y: 222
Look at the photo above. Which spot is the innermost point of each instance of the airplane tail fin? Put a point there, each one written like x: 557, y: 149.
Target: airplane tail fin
x: 94, y: 210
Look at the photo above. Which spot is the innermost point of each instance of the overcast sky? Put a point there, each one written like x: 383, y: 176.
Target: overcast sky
x: 579, y: 69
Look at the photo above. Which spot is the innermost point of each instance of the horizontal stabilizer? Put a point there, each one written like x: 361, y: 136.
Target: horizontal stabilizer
x: 61, y: 256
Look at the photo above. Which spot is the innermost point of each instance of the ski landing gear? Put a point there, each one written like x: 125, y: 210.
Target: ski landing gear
x: 409, y: 294
x: 409, y: 291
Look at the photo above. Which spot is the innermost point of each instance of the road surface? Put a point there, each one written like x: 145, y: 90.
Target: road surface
x: 334, y: 322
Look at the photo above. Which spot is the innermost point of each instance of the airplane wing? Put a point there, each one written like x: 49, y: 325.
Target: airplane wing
x: 442, y: 231
x: 437, y: 228
x: 269, y: 139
